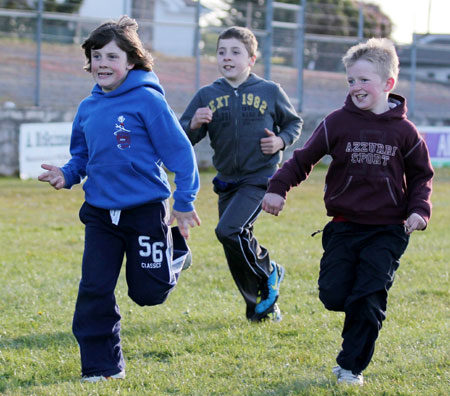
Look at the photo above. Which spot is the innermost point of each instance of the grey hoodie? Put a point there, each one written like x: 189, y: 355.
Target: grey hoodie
x: 239, y: 118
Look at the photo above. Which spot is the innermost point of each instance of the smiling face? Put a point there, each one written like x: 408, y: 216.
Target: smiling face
x: 109, y: 66
x: 367, y: 88
x: 234, y: 61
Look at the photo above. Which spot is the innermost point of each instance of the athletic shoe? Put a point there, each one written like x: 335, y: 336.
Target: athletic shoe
x: 347, y: 377
x: 181, y: 250
x: 273, y: 285
x: 187, y: 261
x: 97, y: 378
x: 274, y: 316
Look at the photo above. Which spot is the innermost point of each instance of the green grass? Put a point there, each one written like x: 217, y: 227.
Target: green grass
x: 198, y: 342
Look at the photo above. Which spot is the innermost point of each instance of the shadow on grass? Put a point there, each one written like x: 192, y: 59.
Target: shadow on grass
x: 10, y: 380
x: 38, y: 341
x: 301, y: 387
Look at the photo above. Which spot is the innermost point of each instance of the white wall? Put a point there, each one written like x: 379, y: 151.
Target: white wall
x: 174, y: 29
x: 105, y: 8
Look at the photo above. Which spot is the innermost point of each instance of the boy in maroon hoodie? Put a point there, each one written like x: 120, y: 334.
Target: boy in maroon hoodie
x: 377, y: 191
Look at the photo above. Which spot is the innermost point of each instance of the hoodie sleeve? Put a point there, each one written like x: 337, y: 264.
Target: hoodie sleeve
x: 419, y: 174
x: 178, y: 156
x: 75, y: 170
x: 297, y: 169
x: 194, y: 135
x: 287, y: 119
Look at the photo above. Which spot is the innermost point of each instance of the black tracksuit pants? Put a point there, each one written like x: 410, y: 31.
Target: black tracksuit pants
x: 155, y: 255
x: 356, y: 271
x: 249, y: 262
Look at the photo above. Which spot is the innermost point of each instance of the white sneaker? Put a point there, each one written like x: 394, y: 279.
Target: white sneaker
x: 97, y: 378
x: 347, y: 377
x: 275, y: 315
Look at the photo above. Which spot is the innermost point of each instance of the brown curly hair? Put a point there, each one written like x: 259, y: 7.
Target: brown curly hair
x: 124, y: 33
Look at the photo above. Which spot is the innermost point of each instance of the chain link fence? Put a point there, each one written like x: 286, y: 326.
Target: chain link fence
x: 42, y: 63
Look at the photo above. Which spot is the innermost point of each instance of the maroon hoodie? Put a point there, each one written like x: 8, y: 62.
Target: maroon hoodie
x: 380, y: 171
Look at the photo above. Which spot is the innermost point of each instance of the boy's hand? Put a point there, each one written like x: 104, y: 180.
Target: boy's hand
x: 54, y: 176
x: 184, y: 220
x: 272, y: 143
x: 414, y: 222
x: 203, y: 115
x: 273, y: 203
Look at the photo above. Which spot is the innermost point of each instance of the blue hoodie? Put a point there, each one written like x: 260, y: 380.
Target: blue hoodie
x: 120, y: 140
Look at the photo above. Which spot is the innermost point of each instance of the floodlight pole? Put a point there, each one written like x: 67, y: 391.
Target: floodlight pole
x: 268, y: 41
x: 38, y: 52
x: 412, y: 94
x: 301, y: 51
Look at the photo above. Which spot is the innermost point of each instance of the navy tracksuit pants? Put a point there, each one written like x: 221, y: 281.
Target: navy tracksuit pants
x: 152, y: 269
x: 356, y: 271
x: 249, y: 262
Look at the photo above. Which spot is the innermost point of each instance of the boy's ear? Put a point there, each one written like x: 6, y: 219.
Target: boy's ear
x: 130, y: 66
x: 390, y: 82
x: 252, y: 60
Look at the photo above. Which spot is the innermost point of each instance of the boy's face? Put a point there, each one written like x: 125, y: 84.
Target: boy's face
x: 367, y: 88
x: 109, y: 66
x: 234, y: 61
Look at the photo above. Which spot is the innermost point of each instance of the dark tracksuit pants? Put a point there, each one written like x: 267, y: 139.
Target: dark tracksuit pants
x: 249, y: 262
x: 356, y: 271
x: 152, y: 270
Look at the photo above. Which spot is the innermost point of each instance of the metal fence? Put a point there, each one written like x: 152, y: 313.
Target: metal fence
x: 41, y: 63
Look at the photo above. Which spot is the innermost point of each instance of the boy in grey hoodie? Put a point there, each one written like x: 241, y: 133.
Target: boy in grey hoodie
x: 249, y: 121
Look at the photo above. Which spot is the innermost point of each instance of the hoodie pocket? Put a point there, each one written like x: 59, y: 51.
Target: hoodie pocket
x: 343, y: 189
x: 391, y: 191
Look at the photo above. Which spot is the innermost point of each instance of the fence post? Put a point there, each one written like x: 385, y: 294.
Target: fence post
x: 37, y: 95
x: 361, y: 22
x: 268, y: 42
x: 197, y: 46
x: 412, y: 94
x: 301, y: 51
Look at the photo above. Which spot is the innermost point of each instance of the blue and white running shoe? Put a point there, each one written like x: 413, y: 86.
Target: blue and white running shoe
x: 273, y: 285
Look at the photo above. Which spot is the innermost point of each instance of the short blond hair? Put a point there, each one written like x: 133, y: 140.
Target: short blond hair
x: 379, y: 51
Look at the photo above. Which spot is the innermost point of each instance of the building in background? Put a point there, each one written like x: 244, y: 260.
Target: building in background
x: 432, y: 58
x: 166, y: 26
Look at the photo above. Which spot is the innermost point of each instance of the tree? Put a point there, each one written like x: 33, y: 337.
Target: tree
x: 329, y: 17
x: 25, y: 27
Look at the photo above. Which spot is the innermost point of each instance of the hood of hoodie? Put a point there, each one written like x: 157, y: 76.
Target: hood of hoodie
x: 397, y: 109
x: 135, y: 79
x: 251, y: 80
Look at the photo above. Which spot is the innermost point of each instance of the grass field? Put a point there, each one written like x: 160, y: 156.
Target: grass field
x: 198, y: 342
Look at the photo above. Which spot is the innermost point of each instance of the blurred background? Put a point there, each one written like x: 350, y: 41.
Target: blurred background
x: 301, y: 43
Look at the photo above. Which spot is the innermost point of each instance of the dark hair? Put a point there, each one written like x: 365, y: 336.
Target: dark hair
x: 124, y: 33
x: 244, y: 35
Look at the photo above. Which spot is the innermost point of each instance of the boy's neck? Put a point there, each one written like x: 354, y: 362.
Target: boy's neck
x: 237, y: 83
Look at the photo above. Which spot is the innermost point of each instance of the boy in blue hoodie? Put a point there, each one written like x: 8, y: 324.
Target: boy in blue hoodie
x: 121, y: 136
x: 250, y: 121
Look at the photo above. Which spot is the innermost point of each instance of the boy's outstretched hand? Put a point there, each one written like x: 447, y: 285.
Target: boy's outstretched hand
x: 54, y: 176
x: 184, y: 221
x: 273, y: 203
x: 203, y: 115
x: 272, y: 143
x: 414, y: 222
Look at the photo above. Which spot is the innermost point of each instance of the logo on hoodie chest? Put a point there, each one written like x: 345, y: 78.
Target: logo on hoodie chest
x: 251, y: 107
x: 123, y: 135
x: 371, y: 153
